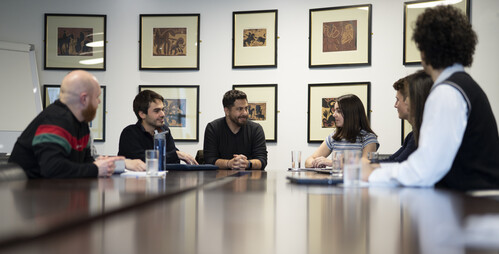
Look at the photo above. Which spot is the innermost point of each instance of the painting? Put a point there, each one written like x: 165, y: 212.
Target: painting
x: 175, y: 112
x: 328, y: 120
x: 340, y: 36
x: 257, y: 111
x: 75, y: 41
x: 412, y: 10
x: 254, y: 36
x: 169, y: 42
x: 321, y: 100
x: 262, y: 107
x: 97, y: 126
x: 181, y: 109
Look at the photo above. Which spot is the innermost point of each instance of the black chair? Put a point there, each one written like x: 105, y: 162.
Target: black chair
x: 200, y: 157
x: 4, y: 158
x: 11, y: 171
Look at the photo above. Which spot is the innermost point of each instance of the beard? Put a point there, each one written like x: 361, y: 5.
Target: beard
x: 89, y: 113
x: 157, y: 123
x: 239, y: 121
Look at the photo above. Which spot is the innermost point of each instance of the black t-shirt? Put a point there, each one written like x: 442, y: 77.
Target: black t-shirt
x: 221, y: 143
x: 135, y: 140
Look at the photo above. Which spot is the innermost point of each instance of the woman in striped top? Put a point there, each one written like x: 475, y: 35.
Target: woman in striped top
x: 352, y: 132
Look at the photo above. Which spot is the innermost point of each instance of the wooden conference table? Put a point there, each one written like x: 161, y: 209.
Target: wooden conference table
x: 239, y: 212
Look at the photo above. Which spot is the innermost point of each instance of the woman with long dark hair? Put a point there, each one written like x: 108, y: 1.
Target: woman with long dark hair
x: 352, y: 132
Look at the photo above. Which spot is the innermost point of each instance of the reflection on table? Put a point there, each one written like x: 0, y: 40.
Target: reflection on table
x: 261, y: 212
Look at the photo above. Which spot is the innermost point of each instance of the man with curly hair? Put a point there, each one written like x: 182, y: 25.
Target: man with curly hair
x: 458, y: 142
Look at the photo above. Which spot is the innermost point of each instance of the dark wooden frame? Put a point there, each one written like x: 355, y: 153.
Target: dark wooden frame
x: 235, y: 48
x: 405, y: 46
x: 103, y: 104
x: 173, y: 129
x: 274, y: 100
x: 73, y: 62
x: 366, y: 62
x: 342, y: 91
x: 194, y: 63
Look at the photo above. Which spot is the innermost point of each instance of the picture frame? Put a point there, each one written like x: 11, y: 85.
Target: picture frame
x: 75, y: 41
x: 321, y: 98
x: 97, y: 126
x: 406, y: 128
x: 340, y: 36
x: 262, y: 102
x: 169, y: 41
x: 254, y: 39
x: 412, y: 10
x: 181, y: 109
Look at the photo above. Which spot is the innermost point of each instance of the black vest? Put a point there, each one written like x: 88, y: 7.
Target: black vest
x: 476, y: 165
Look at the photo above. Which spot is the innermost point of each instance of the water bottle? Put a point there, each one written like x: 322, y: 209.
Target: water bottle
x: 160, y: 145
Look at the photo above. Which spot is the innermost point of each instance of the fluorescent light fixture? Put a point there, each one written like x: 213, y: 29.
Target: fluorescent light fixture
x: 92, y: 61
x: 95, y: 44
x: 433, y: 4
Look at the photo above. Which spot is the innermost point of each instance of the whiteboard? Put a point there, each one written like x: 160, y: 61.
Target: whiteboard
x: 20, y: 97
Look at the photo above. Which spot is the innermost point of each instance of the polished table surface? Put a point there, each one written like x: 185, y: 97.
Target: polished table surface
x: 239, y: 212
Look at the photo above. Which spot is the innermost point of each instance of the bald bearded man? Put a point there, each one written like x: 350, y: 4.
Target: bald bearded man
x: 56, y: 144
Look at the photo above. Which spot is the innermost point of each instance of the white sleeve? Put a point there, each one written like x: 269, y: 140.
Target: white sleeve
x: 444, y: 122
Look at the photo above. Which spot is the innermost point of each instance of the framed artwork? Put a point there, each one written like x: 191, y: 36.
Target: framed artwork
x: 254, y: 39
x: 411, y: 12
x: 98, y: 125
x: 406, y: 128
x: 75, y: 41
x: 169, y: 42
x: 340, y: 36
x: 321, y: 99
x: 181, y: 110
x: 262, y: 102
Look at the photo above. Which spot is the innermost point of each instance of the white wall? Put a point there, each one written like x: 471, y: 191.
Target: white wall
x: 23, y: 21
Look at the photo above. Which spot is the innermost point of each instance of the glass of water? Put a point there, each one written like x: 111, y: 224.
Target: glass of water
x: 337, y: 159
x: 152, y: 162
x: 352, y: 167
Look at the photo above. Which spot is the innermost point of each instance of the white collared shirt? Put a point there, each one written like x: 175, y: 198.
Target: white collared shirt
x: 444, y: 121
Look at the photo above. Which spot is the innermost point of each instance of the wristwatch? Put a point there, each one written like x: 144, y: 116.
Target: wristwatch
x: 249, y: 165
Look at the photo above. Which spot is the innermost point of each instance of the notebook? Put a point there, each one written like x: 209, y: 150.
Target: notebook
x: 315, y: 179
x: 187, y: 167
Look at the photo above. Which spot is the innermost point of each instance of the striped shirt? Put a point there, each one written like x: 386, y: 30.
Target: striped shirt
x: 365, y: 138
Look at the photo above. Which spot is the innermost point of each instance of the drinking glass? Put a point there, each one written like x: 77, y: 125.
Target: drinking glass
x: 352, y: 167
x: 337, y: 159
x: 152, y: 162
x: 295, y: 159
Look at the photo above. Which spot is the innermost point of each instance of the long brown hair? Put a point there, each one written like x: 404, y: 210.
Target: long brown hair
x: 354, y: 118
x: 419, y: 84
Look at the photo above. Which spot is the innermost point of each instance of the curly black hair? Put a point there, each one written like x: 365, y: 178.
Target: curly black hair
x: 231, y: 96
x: 445, y: 36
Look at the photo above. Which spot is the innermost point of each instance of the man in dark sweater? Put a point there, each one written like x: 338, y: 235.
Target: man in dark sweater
x: 233, y: 141
x: 459, y: 142
x: 56, y: 144
x: 148, y: 106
